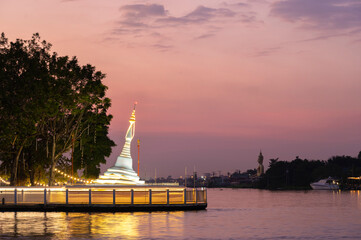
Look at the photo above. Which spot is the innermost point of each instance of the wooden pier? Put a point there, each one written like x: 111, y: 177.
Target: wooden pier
x: 102, y: 198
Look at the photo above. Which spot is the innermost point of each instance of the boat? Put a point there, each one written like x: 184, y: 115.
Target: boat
x: 325, y: 184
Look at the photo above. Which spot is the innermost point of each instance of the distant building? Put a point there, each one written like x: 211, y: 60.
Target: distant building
x: 207, y: 175
x: 237, y: 178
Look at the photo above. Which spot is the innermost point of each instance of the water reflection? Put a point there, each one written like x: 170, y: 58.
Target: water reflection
x: 25, y: 224
x: 92, y: 225
x: 237, y: 214
x: 356, y: 195
x: 123, y: 224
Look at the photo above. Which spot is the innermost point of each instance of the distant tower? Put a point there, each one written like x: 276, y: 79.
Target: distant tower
x: 260, y: 169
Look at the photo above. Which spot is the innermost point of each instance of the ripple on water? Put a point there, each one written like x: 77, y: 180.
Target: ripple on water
x: 231, y: 214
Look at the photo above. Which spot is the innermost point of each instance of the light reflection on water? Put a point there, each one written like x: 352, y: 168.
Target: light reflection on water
x: 231, y: 214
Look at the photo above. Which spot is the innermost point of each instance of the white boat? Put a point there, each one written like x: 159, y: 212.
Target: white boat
x: 325, y: 184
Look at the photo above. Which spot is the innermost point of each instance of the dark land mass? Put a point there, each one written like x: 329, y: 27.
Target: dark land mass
x: 283, y: 175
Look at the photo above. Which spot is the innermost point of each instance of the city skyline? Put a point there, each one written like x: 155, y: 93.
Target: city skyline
x: 216, y: 81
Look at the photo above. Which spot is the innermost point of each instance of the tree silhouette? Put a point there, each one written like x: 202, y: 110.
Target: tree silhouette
x: 49, y: 103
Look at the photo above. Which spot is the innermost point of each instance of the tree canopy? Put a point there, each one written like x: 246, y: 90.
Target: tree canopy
x: 299, y: 173
x: 49, y: 106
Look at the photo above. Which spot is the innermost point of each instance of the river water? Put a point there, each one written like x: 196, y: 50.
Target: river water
x: 231, y: 214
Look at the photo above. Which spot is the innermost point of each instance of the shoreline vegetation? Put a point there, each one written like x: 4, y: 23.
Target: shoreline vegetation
x: 283, y: 175
x: 299, y: 173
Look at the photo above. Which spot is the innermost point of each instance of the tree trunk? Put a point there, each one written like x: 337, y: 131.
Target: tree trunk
x: 22, y: 176
x: 53, y: 163
x: 16, y: 164
x: 31, y: 169
x: 31, y: 176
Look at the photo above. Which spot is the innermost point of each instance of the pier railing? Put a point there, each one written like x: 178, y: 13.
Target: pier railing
x: 104, y: 196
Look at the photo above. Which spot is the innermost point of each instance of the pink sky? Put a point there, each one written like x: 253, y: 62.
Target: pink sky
x: 216, y: 81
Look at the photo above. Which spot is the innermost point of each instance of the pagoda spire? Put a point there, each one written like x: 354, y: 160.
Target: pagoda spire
x: 122, y: 172
x: 129, y: 135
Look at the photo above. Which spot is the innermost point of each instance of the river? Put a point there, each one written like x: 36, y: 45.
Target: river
x: 231, y: 214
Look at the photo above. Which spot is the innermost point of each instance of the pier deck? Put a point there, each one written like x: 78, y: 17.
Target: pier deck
x: 102, y: 199
x: 100, y: 207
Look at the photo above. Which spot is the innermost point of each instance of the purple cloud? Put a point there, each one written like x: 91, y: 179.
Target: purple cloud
x: 203, y: 36
x: 320, y: 14
x: 267, y: 52
x: 154, y: 16
x: 334, y: 35
x: 137, y: 11
x: 200, y: 15
x: 162, y: 48
x: 152, y: 19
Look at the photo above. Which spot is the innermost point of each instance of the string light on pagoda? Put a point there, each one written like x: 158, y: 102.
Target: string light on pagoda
x: 72, y: 178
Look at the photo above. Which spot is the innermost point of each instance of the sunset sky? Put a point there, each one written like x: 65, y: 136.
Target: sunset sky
x: 216, y: 80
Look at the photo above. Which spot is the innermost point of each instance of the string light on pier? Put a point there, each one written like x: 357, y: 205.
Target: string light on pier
x: 4, y: 181
x: 46, y: 185
x: 39, y: 184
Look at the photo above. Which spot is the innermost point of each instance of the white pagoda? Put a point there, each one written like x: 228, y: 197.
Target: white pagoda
x: 122, y: 172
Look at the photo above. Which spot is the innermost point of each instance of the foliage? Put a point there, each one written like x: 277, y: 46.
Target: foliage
x: 299, y: 173
x: 49, y: 104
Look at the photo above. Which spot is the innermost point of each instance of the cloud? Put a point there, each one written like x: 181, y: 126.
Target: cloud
x: 320, y: 14
x: 137, y: 11
x: 154, y: 26
x: 238, y: 4
x: 201, y: 14
x: 137, y: 17
x: 203, y: 36
x: 357, y: 41
x: 267, y: 52
x: 155, y: 16
x: 153, y: 21
x: 162, y: 47
x: 328, y: 36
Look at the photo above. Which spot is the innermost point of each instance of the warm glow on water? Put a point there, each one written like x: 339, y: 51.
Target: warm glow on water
x: 232, y: 214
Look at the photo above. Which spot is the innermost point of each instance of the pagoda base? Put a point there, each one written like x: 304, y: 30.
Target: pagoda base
x: 119, y: 176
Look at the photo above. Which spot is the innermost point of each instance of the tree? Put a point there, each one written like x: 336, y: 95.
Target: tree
x: 20, y: 70
x: 93, y: 145
x: 48, y: 103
